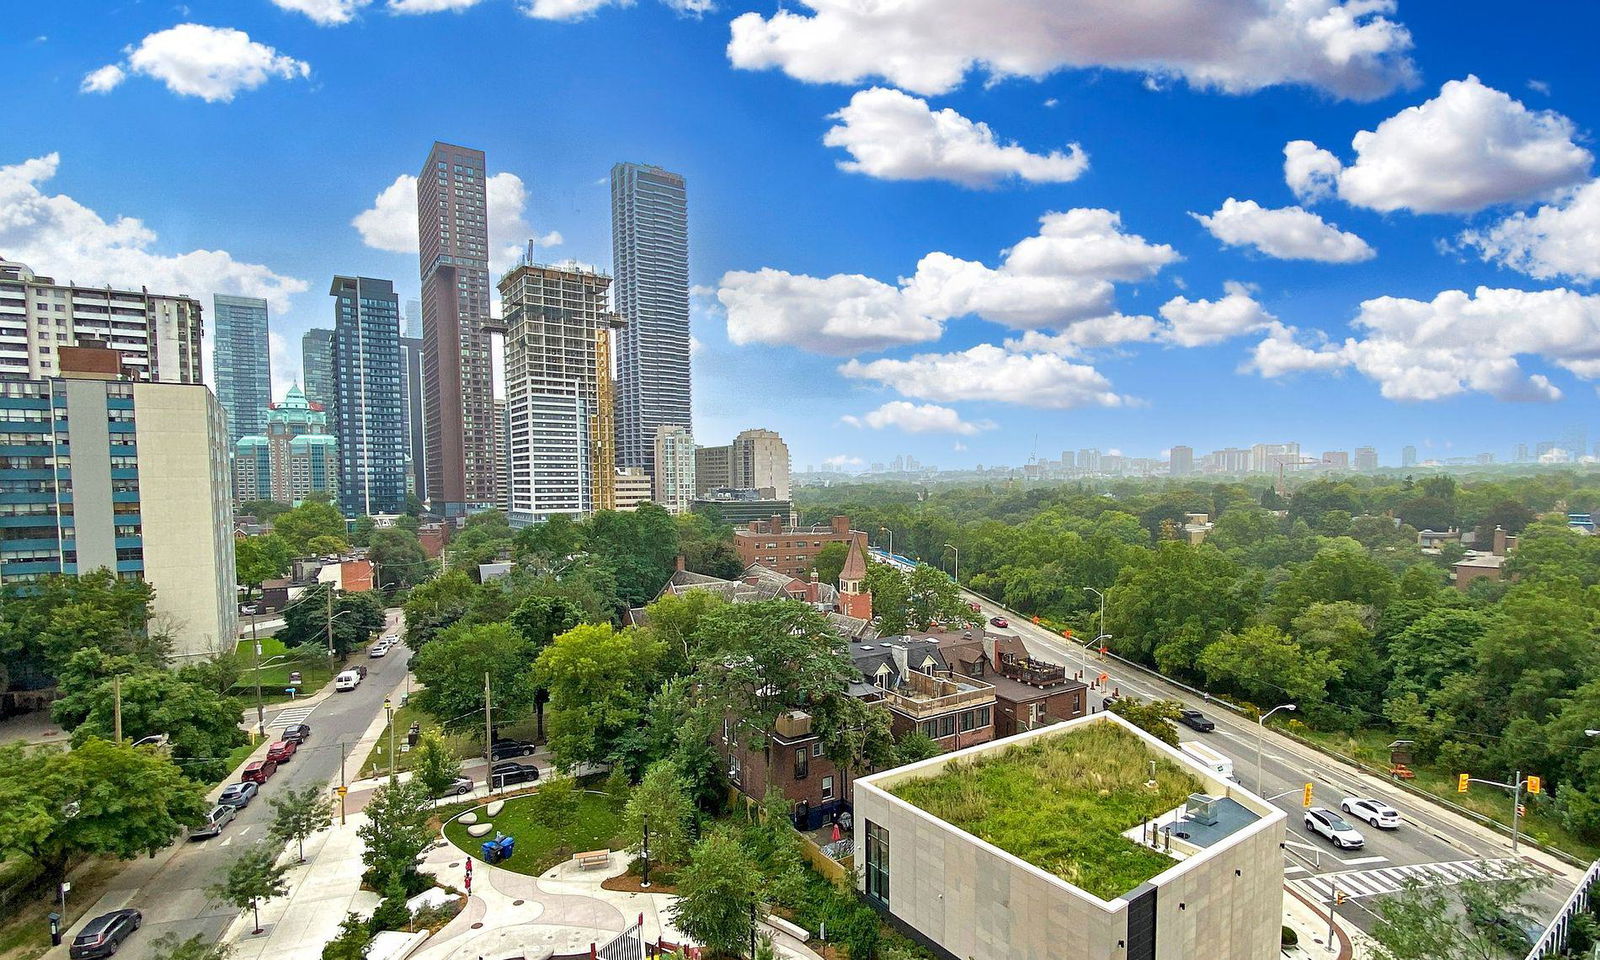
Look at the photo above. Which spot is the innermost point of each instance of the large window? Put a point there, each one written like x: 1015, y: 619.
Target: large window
x: 802, y: 763
x: 877, y: 874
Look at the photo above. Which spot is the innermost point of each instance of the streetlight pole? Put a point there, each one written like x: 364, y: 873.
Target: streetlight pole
x: 1261, y: 731
x: 388, y: 712
x: 891, y: 540
x: 1102, y: 630
x: 958, y: 562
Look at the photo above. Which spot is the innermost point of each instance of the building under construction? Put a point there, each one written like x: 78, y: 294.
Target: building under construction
x: 558, y: 391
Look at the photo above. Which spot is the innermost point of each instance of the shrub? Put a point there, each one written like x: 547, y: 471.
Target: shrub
x: 351, y: 943
x: 1290, y: 938
x: 862, y: 935
x: 392, y: 913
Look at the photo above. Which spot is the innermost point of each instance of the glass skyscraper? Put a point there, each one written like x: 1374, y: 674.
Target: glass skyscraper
x: 369, y: 405
x: 242, y: 363
x: 316, y: 359
x: 650, y: 250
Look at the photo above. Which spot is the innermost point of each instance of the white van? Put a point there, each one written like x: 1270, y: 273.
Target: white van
x: 348, y: 680
x: 1209, y: 758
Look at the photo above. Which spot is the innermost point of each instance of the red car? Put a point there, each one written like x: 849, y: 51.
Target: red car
x: 999, y: 622
x: 281, y: 751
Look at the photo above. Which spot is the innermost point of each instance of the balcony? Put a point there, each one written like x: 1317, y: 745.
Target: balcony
x: 1035, y: 673
x: 923, y: 695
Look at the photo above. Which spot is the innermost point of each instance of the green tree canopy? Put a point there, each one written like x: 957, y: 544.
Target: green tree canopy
x: 399, y: 557
x: 312, y: 519
x: 599, y: 680
x: 453, y: 665
x: 256, y: 559
x: 716, y: 894
x: 202, y: 726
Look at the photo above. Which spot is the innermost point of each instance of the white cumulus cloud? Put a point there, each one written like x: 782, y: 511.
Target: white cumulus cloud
x: 194, y: 60
x: 1061, y: 276
x: 1199, y: 323
x: 1346, y: 47
x: 1557, y: 240
x: 841, y: 460
x: 60, y: 237
x: 894, y: 136
x: 919, y: 418
x: 988, y: 372
x: 1456, y: 343
x: 325, y: 12
x: 391, y: 222
x: 1288, y: 233
x: 1469, y: 148
x: 431, y: 6
x: 1106, y: 331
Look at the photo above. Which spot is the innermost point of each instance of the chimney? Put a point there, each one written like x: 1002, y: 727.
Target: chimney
x: 776, y: 525
x: 1499, y: 548
x: 841, y: 526
x: 901, y: 664
x: 680, y: 563
x: 991, y: 649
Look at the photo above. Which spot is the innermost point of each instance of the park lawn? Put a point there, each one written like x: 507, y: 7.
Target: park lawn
x: 1061, y: 803
x: 1541, y: 824
x: 311, y: 661
x: 597, y: 825
x: 25, y: 931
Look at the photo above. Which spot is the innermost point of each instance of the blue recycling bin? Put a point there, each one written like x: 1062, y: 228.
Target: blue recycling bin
x: 498, y: 849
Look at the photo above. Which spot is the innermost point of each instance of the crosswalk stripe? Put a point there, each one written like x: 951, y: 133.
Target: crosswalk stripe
x: 291, y: 715
x: 1387, y: 880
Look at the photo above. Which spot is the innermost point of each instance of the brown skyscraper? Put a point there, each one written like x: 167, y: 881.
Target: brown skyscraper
x: 457, y: 379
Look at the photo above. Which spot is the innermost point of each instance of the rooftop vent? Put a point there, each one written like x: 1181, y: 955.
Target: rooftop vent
x: 1200, y: 808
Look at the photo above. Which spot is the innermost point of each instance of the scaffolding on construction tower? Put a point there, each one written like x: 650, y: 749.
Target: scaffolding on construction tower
x: 602, y: 432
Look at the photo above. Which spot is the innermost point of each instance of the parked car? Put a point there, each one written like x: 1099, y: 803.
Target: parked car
x: 102, y: 936
x: 999, y: 622
x: 239, y: 795
x: 259, y: 771
x: 220, y: 816
x: 297, y: 732
x: 346, y: 681
x: 1375, y: 812
x: 247, y: 609
x: 1195, y: 720
x: 282, y: 751
x: 502, y: 749
x: 459, y: 787
x: 508, y: 772
x: 1337, y: 829
x: 379, y: 649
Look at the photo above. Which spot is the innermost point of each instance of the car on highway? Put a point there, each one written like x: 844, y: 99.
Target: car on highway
x: 1195, y: 720
x: 297, y: 732
x: 220, y: 816
x: 1338, y: 831
x: 239, y: 795
x: 459, y: 787
x: 505, y: 749
x: 281, y: 751
x: 506, y: 773
x: 102, y: 936
x: 1375, y: 812
x: 999, y: 622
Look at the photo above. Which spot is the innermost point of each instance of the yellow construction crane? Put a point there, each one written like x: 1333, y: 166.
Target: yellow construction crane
x: 602, y: 429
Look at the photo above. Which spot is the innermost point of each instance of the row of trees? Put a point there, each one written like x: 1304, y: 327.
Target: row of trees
x: 1323, y: 599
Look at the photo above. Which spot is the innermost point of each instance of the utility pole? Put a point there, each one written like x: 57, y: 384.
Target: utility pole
x: 488, y: 735
x: 388, y: 710
x: 116, y: 691
x: 330, y: 621
x: 261, y: 710
x: 1333, y: 898
x: 344, y: 752
x: 1518, y: 784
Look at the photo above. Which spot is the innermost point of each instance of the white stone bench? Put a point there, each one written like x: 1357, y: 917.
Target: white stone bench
x: 784, y: 926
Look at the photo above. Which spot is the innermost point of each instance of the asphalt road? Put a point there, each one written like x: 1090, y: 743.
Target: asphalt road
x: 172, y: 894
x: 1428, y: 847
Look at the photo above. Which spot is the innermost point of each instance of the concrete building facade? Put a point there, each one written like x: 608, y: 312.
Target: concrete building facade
x: 633, y: 487
x: 713, y: 468
x: 965, y: 898
x: 650, y: 252
x: 458, y: 386
x: 157, y: 336
x: 368, y: 409
x: 241, y: 362
x: 145, y: 493
x: 674, y: 479
x: 554, y: 319
x: 411, y: 387
x: 759, y: 461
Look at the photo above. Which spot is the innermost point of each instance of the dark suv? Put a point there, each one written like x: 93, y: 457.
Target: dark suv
x: 506, y: 749
x: 297, y: 732
x: 102, y: 936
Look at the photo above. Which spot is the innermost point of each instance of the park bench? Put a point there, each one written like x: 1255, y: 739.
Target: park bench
x: 594, y: 858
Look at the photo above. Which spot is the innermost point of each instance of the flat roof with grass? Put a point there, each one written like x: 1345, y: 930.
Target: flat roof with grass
x: 1062, y: 802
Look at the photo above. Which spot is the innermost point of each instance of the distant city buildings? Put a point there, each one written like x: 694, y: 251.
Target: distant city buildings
x: 157, y: 336
x: 674, y: 479
x: 241, y: 362
x: 316, y: 362
x: 149, y: 489
x: 760, y: 461
x: 650, y: 252
x: 713, y: 468
x: 369, y: 407
x: 295, y: 456
x: 633, y: 487
x: 458, y: 387
x: 1180, y: 461
x: 1408, y: 457
x: 1366, y: 459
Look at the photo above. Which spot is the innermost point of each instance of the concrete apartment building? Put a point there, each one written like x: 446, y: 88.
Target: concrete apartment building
x: 674, y: 479
x: 458, y: 387
x: 411, y: 388
x: 791, y: 550
x: 1180, y: 461
x: 293, y: 458
x: 241, y: 363
x: 157, y: 336
x: 713, y: 468
x: 368, y: 407
x: 149, y: 491
x: 633, y: 487
x: 557, y: 328
x: 759, y: 460
x: 1220, y: 897
x: 650, y: 252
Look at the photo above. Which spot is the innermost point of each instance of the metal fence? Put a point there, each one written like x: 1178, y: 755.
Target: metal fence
x: 628, y: 945
x: 1555, y: 936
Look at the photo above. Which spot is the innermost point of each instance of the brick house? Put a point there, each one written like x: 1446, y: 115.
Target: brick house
x: 791, y: 758
x: 910, y: 676
x: 792, y: 550
x: 1028, y: 693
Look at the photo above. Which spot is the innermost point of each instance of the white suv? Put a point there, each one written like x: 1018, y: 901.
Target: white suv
x: 1379, y: 814
x: 1334, y: 827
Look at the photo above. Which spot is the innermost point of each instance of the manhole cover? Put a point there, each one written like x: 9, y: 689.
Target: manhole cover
x: 477, y: 926
x: 518, y: 903
x: 454, y: 865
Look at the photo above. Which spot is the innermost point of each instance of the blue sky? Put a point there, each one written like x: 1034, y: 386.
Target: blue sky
x: 247, y: 144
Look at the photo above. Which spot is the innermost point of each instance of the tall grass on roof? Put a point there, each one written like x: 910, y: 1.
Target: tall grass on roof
x: 1061, y: 803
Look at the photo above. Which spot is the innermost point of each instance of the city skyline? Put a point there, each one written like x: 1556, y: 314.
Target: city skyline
x: 955, y: 363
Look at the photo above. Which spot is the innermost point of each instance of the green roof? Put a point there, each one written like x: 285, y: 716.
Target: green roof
x: 1062, y: 803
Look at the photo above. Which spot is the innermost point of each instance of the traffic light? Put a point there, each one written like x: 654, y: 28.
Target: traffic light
x: 1461, y: 783
x: 1338, y: 897
x: 1305, y: 801
x: 1535, y: 785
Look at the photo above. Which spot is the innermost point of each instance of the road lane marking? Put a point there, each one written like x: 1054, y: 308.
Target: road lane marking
x: 292, y: 715
x: 1359, y: 860
x: 1388, y: 880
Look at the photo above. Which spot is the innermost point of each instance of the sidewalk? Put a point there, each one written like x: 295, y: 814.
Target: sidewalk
x: 1311, y: 925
